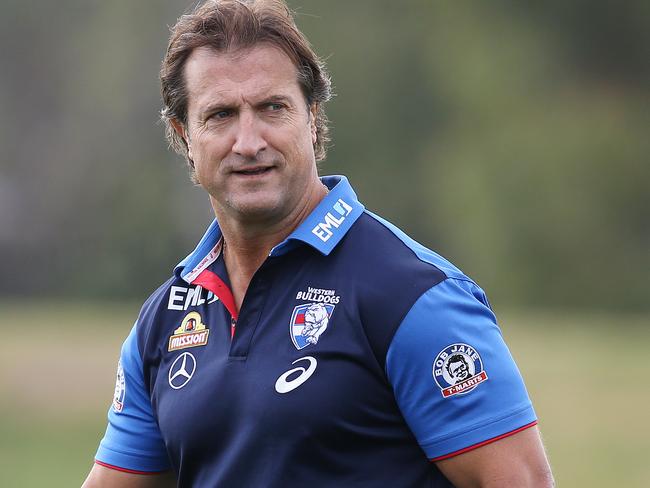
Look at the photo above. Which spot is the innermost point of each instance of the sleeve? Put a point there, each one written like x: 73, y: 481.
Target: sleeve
x: 453, y: 377
x: 132, y: 442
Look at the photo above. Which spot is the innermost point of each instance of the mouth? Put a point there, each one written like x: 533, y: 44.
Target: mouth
x: 255, y: 171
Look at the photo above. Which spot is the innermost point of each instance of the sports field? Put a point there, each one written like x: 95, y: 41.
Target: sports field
x: 587, y: 374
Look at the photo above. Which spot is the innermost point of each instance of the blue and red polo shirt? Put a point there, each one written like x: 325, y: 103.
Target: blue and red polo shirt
x: 358, y: 357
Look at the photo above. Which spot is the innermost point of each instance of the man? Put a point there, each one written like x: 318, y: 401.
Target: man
x: 458, y: 368
x: 305, y: 341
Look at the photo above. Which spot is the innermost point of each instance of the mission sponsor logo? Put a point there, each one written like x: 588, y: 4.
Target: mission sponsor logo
x: 458, y: 369
x: 120, y: 389
x: 308, y: 323
x: 191, y: 333
x: 332, y: 220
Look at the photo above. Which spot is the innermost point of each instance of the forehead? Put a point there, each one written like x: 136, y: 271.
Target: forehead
x: 261, y: 70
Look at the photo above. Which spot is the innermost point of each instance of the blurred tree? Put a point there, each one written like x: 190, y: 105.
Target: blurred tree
x: 511, y: 137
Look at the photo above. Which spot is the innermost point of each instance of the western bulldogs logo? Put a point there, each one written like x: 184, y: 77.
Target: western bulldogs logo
x: 308, y: 322
x: 458, y: 369
x: 120, y: 389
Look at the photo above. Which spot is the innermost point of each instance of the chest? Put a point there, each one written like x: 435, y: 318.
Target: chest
x: 299, y: 365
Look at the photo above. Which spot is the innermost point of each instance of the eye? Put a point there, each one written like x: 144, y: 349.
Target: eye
x: 221, y: 114
x: 274, y: 107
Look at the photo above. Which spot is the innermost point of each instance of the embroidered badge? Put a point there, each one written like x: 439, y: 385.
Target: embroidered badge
x: 191, y: 333
x: 308, y: 322
x: 120, y: 389
x: 458, y: 369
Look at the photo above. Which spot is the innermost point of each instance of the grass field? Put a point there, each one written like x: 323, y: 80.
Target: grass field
x: 587, y: 375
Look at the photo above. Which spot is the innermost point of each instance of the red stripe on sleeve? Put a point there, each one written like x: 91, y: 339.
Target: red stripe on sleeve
x: 124, y: 470
x: 484, y: 443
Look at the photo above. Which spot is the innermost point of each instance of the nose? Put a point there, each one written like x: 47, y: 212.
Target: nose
x: 249, y: 140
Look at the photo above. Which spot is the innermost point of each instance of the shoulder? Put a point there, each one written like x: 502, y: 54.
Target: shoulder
x: 391, y: 273
x: 380, y: 252
x: 156, y: 304
x: 388, y: 238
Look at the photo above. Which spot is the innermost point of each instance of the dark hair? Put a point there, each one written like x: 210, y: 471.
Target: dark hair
x: 456, y: 358
x: 237, y: 24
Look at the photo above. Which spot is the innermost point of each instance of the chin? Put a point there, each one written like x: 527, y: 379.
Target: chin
x: 258, y: 209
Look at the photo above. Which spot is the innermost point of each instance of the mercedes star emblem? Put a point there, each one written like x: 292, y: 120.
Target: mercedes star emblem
x: 182, y: 370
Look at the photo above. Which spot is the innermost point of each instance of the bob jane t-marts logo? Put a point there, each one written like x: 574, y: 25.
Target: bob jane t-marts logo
x: 458, y: 369
x: 191, y: 333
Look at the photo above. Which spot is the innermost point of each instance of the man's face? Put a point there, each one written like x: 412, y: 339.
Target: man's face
x: 250, y: 132
x: 458, y: 370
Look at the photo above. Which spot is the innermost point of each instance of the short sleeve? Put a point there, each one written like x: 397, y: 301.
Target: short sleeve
x: 132, y: 441
x: 453, y: 377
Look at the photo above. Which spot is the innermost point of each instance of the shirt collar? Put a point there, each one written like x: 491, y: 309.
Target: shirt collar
x: 323, y: 229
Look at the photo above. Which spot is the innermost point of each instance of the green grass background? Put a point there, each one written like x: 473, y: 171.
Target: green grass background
x: 587, y: 375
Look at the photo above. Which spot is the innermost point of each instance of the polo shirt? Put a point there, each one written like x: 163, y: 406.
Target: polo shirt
x: 357, y: 358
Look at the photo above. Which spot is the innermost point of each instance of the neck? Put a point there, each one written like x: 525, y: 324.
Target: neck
x: 247, y: 243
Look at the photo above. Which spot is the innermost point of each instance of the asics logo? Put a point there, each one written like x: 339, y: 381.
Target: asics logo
x: 284, y: 386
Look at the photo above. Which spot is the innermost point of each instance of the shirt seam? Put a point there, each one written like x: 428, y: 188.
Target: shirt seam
x: 138, y: 455
x: 474, y: 427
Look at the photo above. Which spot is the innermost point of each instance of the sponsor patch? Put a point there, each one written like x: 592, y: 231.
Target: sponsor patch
x: 120, y: 389
x: 458, y: 369
x: 332, y: 220
x: 308, y: 322
x: 191, y: 333
x: 182, y: 297
x: 181, y: 370
x: 288, y: 381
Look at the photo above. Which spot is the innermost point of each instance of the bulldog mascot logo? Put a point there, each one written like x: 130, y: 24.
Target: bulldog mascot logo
x: 308, y: 322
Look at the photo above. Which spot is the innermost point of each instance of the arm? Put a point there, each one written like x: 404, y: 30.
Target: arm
x: 515, y: 461
x: 103, y: 477
x: 132, y: 452
x: 479, y: 429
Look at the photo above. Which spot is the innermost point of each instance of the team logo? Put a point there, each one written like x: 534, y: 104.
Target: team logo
x: 308, y: 322
x: 182, y: 370
x: 458, y: 369
x: 321, y: 295
x: 191, y: 333
x: 120, y: 389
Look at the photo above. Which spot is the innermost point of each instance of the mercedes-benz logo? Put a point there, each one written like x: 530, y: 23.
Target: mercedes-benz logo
x: 182, y: 370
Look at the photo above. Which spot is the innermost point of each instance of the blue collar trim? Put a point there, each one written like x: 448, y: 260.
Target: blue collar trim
x: 323, y: 229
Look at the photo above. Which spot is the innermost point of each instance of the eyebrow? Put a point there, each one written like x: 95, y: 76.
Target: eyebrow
x: 214, y: 108
x: 221, y: 105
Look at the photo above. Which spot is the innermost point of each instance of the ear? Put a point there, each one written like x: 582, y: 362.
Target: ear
x: 313, y: 110
x: 179, y: 128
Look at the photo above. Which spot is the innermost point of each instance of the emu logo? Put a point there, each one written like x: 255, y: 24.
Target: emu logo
x: 334, y: 218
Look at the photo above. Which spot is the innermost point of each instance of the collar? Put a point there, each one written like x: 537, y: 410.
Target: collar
x: 323, y: 229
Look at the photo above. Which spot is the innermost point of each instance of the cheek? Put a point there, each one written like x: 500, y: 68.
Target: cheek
x: 209, y: 153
